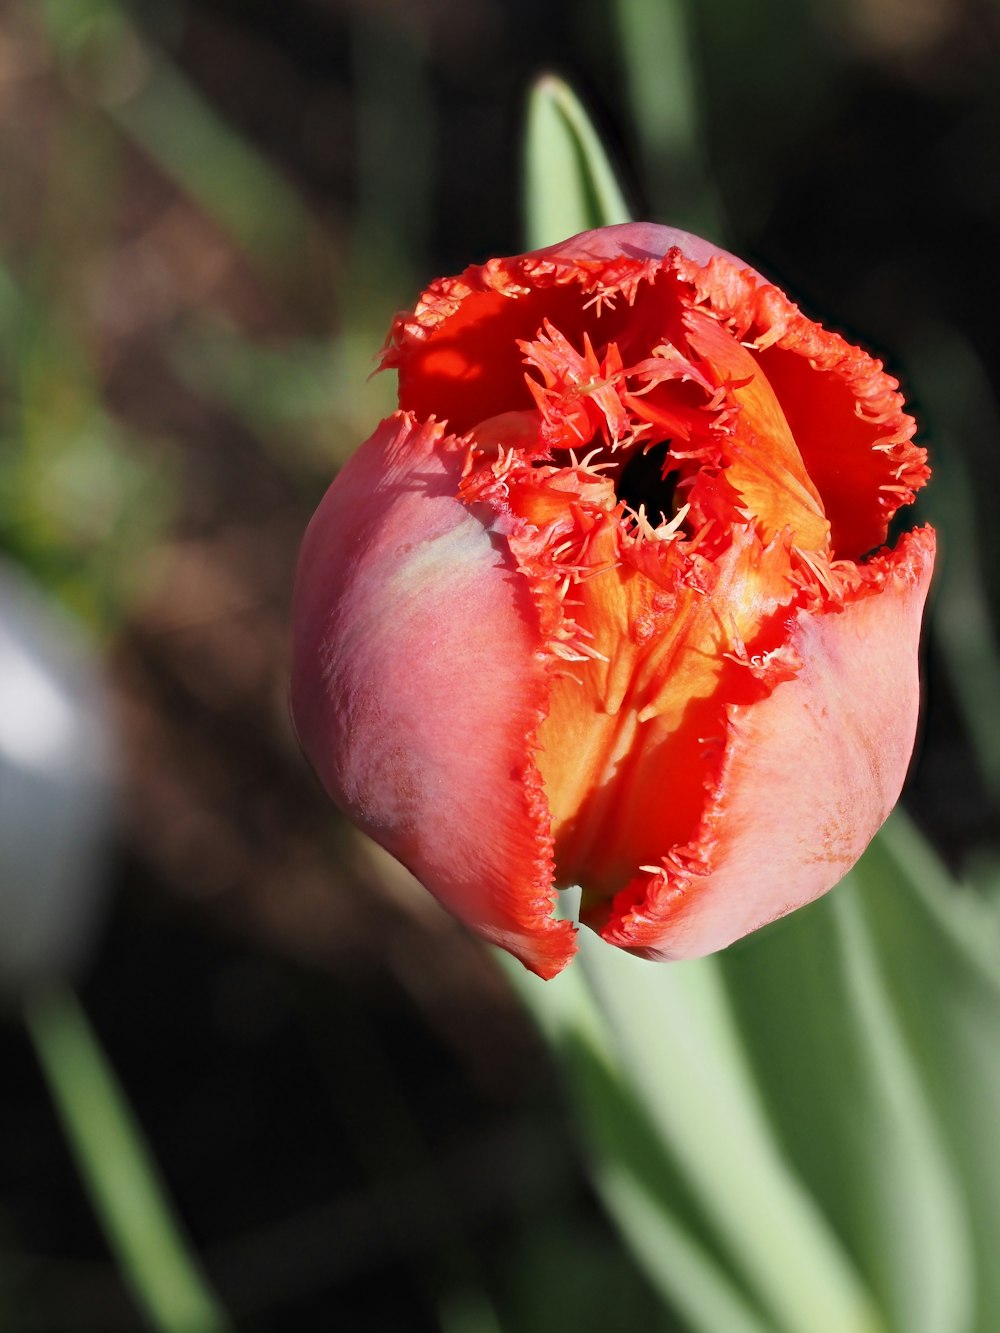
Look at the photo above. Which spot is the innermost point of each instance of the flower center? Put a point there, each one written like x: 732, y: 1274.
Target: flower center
x: 644, y: 483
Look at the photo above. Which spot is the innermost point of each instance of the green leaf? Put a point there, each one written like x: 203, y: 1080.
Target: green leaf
x: 939, y: 949
x: 630, y: 1167
x: 678, y: 1132
x: 847, y: 1100
x: 570, y: 185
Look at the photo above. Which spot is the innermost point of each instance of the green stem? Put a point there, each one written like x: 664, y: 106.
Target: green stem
x: 117, y: 1169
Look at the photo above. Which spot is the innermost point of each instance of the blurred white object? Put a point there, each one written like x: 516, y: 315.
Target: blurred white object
x: 55, y: 790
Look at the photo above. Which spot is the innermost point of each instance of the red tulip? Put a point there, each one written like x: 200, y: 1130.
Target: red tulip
x: 602, y: 603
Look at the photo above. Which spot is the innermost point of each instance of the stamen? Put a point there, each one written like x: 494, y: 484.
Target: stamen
x: 667, y: 531
x: 602, y: 297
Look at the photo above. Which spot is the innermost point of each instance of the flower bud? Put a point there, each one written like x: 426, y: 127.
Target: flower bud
x: 606, y: 601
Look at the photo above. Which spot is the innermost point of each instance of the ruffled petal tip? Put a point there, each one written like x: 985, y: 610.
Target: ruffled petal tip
x: 807, y: 777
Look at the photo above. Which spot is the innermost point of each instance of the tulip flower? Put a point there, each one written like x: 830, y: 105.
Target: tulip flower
x: 606, y: 602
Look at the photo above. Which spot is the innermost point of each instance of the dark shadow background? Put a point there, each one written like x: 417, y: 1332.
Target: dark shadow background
x: 210, y: 212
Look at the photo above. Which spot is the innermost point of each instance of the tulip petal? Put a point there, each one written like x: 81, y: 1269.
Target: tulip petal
x: 612, y: 605
x: 845, y: 412
x: 808, y: 775
x: 418, y: 684
x: 640, y: 240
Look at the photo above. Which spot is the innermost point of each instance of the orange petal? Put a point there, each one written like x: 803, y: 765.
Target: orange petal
x: 630, y: 735
x: 417, y: 686
x: 844, y: 412
x: 808, y: 774
x: 764, y: 463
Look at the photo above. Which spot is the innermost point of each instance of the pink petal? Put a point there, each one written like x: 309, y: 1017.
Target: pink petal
x: 418, y: 685
x: 809, y: 775
x: 640, y: 240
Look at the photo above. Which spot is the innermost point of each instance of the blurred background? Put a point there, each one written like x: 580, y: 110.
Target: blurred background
x: 210, y: 211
